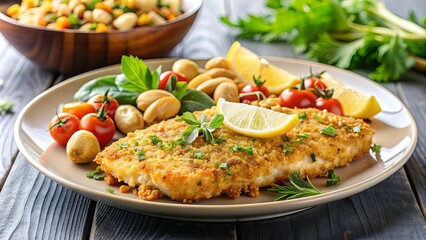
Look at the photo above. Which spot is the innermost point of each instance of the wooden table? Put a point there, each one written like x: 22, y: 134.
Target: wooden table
x: 34, y: 207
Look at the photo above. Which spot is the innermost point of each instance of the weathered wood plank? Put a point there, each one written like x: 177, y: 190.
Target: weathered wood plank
x: 35, y: 207
x: 22, y: 82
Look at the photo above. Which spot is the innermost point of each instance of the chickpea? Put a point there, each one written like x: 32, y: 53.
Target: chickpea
x: 101, y: 16
x: 187, y: 67
x: 126, y: 21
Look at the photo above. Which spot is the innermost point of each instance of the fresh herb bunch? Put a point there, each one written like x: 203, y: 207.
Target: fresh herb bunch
x: 346, y: 33
x: 5, y: 106
x: 202, y: 125
x: 295, y: 188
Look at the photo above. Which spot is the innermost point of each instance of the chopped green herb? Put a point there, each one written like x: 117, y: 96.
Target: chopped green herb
x: 285, y: 138
x: 141, y: 155
x: 295, y: 188
x: 287, y: 148
x: 123, y: 145
x: 201, y: 126
x: 319, y: 119
x: 303, y: 135
x: 302, y: 115
x: 199, y: 154
x: 329, y: 130
x: 219, y: 140
x: 135, y: 143
x: 357, y: 129
x: 156, y: 140
x: 224, y: 166
x: 248, y: 150
x: 97, y: 174
x: 376, y: 148
x: 347, y: 128
x: 334, y: 179
x: 5, y: 106
x: 313, y: 157
x: 110, y: 190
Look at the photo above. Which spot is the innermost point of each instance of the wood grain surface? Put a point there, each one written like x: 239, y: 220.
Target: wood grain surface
x: 35, y: 207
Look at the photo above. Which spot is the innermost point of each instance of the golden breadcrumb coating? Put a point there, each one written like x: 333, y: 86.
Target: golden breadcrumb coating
x: 204, y: 170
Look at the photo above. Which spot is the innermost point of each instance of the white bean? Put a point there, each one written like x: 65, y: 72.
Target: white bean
x: 101, y: 16
x: 126, y: 21
x: 88, y: 16
x: 79, y: 10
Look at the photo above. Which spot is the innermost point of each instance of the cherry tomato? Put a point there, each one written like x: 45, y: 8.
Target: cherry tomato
x: 297, y: 98
x: 100, y: 124
x: 165, y: 76
x: 251, y: 92
x: 79, y: 109
x: 110, y: 106
x: 315, y: 83
x: 63, y: 126
x: 331, y: 104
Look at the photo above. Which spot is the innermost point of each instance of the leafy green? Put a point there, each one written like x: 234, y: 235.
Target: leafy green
x: 138, y: 77
x: 237, y: 148
x: 347, y: 33
x: 295, y: 188
x: 376, y: 148
x: 202, y: 125
x: 100, y: 86
x: 328, y: 130
x: 194, y: 100
x: 96, y: 174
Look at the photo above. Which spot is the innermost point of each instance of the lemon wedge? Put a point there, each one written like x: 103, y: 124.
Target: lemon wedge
x: 355, y: 104
x: 255, y: 121
x: 247, y: 64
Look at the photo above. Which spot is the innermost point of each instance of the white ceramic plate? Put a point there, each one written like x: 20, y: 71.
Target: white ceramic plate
x: 395, y: 129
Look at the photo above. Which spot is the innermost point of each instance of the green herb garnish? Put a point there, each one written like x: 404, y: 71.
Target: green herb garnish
x: 295, y: 188
x: 356, y: 129
x: 302, y: 115
x: 219, y: 140
x: 202, y: 126
x: 97, y: 174
x: 156, y: 140
x: 334, y: 179
x: 287, y: 148
x: 110, y: 190
x: 329, y: 130
x: 141, y: 155
x: 313, y: 157
x: 123, y: 145
x: 248, y: 150
x: 376, y: 148
x: 5, y: 106
x: 224, y: 166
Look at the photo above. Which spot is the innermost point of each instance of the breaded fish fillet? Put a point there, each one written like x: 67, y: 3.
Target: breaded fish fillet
x: 204, y: 170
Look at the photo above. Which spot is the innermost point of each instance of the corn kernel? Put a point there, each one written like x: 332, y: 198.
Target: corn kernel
x: 13, y: 11
x: 117, y: 12
x: 143, y: 20
x: 103, y: 6
x: 101, y: 27
x: 129, y: 3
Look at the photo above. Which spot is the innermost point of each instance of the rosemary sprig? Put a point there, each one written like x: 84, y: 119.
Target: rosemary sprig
x: 295, y: 188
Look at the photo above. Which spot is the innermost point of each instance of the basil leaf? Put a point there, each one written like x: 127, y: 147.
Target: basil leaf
x: 190, y: 118
x: 180, y: 90
x: 139, y: 77
x: 194, y: 100
x: 216, y: 121
x: 171, y: 83
x: 100, y: 86
x: 192, y: 133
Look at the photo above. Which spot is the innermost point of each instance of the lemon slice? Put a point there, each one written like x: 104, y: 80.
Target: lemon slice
x: 358, y: 105
x: 247, y: 64
x: 355, y: 104
x: 255, y: 121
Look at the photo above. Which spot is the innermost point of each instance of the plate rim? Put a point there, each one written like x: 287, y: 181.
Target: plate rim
x: 326, y: 197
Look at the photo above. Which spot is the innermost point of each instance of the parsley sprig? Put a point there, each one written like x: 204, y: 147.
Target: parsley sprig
x: 295, y: 188
x: 5, y: 106
x: 203, y: 125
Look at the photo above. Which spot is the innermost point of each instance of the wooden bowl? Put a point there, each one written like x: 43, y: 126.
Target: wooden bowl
x: 73, y: 51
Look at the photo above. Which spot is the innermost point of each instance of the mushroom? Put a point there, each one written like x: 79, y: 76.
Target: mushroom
x: 82, y: 147
x: 128, y: 119
x: 227, y: 91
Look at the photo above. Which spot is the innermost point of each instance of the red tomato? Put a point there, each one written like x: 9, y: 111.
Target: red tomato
x: 165, y: 76
x: 110, y: 106
x: 331, y: 104
x: 100, y: 124
x: 79, y: 109
x: 315, y: 83
x: 297, y: 98
x: 248, y: 92
x: 63, y: 126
